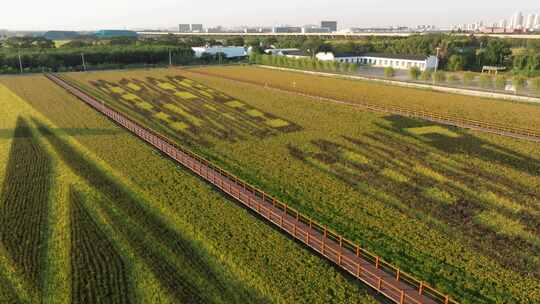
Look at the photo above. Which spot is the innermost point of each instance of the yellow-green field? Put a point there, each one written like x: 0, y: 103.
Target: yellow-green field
x: 426, y: 197
x: 90, y: 214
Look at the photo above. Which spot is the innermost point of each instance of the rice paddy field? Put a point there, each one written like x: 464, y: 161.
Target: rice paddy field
x: 89, y: 214
x: 456, y: 208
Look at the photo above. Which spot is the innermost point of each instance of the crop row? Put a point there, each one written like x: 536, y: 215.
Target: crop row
x: 191, y: 112
x: 496, y: 111
x: 424, y: 178
x: 250, y: 252
x: 98, y: 272
x: 24, y: 204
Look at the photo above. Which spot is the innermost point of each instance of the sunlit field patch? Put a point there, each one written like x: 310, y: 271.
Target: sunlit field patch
x: 395, y: 176
x: 185, y: 95
x: 277, y: 123
x: 438, y: 130
x: 235, y: 104
x: 169, y: 100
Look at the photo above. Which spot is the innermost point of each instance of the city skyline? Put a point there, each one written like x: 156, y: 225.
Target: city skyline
x: 520, y: 21
x: 123, y: 14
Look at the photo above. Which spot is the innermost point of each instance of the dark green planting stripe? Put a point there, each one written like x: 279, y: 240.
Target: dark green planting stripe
x: 24, y: 204
x: 99, y: 273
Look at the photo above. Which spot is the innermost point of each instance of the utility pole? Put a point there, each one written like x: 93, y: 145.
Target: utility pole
x: 83, y: 62
x: 20, y: 62
x: 437, y: 65
x: 170, y: 58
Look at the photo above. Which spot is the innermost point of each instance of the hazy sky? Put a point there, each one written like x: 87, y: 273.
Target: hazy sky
x: 96, y: 14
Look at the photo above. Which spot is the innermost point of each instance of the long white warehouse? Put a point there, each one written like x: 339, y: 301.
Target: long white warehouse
x: 401, y: 62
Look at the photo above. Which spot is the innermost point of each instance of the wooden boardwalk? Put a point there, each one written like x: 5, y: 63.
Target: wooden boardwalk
x: 445, y: 119
x: 369, y: 268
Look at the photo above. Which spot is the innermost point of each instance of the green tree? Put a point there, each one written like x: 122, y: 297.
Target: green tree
x: 453, y: 78
x: 314, y: 45
x: 497, y: 51
x: 456, y: 63
x: 414, y: 73
x: 468, y: 78
x: 439, y: 77
x: 500, y: 82
x: 535, y: 84
x: 519, y: 82
x: 353, y: 68
x: 389, y: 72
x: 235, y: 41
x: 269, y: 41
x: 486, y: 81
x: 426, y: 75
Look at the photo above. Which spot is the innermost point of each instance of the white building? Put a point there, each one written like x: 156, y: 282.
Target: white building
x: 537, y: 22
x: 229, y: 51
x: 399, y: 62
x: 530, y: 21
x: 296, y: 54
x: 517, y: 21
x: 279, y: 51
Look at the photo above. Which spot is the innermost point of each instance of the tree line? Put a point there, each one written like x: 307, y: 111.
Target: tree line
x: 37, y: 54
x: 456, y: 53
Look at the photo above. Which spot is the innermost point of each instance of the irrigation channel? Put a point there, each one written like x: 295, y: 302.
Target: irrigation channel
x: 388, y: 280
x: 450, y: 120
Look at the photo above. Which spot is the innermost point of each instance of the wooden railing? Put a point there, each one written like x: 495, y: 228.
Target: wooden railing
x: 448, y: 119
x: 368, y: 267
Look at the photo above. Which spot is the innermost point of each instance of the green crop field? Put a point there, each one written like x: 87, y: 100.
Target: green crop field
x: 458, y: 209
x: 90, y: 214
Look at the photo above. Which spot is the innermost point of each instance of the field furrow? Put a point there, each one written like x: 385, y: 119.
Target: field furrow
x: 24, y: 204
x: 99, y: 272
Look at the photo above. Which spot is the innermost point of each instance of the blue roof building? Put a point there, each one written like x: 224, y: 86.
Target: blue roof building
x: 115, y: 33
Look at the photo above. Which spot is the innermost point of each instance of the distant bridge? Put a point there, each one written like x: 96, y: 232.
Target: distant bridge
x: 333, y: 35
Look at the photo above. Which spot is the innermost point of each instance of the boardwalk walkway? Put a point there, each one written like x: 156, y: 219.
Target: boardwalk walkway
x: 445, y: 119
x: 388, y: 280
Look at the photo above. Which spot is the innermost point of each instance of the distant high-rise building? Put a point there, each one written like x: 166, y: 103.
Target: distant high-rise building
x: 314, y: 29
x: 537, y: 22
x: 286, y: 29
x: 529, y: 24
x: 197, y: 28
x: 184, y: 28
x: 517, y: 21
x: 332, y: 25
x: 503, y: 23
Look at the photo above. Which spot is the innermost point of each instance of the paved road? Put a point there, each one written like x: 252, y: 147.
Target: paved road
x: 368, y: 268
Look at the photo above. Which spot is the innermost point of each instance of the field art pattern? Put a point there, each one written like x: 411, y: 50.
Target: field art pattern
x: 423, y: 182
x: 452, y: 120
x: 385, y: 278
x: 179, y: 240
x: 425, y: 179
x: 193, y: 112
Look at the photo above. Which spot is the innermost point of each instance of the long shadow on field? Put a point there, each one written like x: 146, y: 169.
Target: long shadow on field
x: 8, y: 133
x: 24, y: 204
x: 181, y: 267
x: 99, y: 273
x: 7, y: 293
x: 464, y: 143
x: 388, y: 169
